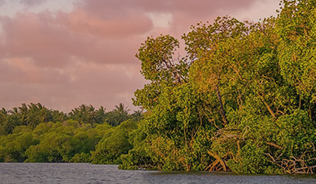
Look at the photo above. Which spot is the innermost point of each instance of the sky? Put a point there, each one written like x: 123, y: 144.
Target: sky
x: 64, y: 53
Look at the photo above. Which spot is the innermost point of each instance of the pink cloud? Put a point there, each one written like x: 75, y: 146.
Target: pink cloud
x: 53, y: 41
x: 117, y: 27
x: 86, y: 56
x: 32, y: 2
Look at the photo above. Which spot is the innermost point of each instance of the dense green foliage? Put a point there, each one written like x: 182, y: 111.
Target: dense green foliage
x: 33, y: 133
x: 242, y: 99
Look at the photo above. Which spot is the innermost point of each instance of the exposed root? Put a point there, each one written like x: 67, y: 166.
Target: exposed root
x: 293, y: 165
x: 220, y: 163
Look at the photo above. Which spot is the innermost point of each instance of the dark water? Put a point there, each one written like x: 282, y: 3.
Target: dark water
x: 97, y: 174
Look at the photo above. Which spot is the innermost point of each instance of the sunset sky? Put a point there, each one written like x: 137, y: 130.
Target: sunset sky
x: 64, y: 53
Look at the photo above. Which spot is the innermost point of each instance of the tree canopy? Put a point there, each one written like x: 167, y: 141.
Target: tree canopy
x: 241, y: 100
x: 33, y: 133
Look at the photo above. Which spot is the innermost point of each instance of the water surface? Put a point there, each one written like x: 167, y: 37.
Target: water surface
x: 65, y: 173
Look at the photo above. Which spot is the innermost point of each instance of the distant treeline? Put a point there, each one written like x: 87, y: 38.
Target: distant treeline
x: 33, y: 133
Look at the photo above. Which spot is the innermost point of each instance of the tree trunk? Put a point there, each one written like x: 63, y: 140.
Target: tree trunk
x: 222, y: 111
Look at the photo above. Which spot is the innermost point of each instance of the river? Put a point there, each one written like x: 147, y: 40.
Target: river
x: 66, y: 173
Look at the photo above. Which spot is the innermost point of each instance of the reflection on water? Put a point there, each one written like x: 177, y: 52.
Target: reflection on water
x: 96, y: 174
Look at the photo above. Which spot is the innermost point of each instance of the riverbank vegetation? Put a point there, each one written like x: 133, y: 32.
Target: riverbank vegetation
x: 33, y: 133
x: 243, y: 99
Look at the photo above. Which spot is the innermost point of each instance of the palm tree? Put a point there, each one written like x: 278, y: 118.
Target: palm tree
x: 84, y: 114
x: 117, y: 115
x: 137, y: 115
x: 3, y: 111
x: 3, y: 116
x: 121, y: 109
x: 14, y: 111
x: 23, y: 111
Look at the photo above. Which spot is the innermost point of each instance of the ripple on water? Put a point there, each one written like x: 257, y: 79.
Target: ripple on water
x: 53, y: 173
